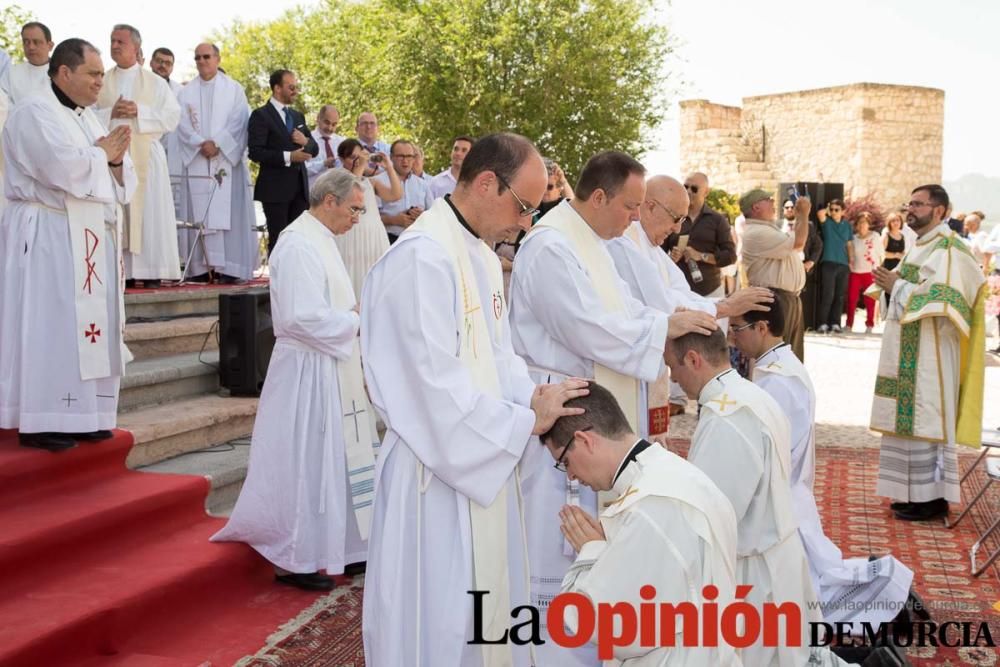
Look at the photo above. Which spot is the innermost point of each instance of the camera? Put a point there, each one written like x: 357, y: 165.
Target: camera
x: 375, y: 159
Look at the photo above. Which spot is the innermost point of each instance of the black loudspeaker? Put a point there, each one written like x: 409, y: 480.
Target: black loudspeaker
x: 246, y: 339
x: 819, y: 193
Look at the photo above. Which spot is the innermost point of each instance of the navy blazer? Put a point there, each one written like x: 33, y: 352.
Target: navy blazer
x: 267, y: 140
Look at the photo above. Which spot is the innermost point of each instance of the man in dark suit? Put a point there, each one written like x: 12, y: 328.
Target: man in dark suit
x: 279, y: 141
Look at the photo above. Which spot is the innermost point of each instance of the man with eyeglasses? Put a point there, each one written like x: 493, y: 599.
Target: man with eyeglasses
x: 399, y: 214
x: 573, y: 316
x: 367, y: 131
x: 306, y: 502
x: 668, y: 526
x: 279, y: 141
x: 460, y: 410
x: 709, y: 245
x: 657, y: 281
x: 834, y: 268
x: 929, y: 388
x: 215, y: 180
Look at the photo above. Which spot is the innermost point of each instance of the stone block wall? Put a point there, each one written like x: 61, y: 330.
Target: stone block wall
x: 874, y: 138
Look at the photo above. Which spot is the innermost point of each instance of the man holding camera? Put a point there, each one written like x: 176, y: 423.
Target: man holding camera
x: 400, y: 214
x: 279, y: 141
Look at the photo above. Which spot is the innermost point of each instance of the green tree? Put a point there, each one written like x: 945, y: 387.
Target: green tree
x: 723, y: 202
x: 12, y: 17
x: 576, y: 76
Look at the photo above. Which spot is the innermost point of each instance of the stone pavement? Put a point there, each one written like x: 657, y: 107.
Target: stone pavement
x: 842, y: 369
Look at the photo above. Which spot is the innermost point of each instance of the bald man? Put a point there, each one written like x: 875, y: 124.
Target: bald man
x: 660, y: 284
x: 326, y: 137
x: 710, y: 245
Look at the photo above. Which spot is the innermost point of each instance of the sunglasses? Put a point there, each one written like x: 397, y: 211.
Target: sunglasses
x: 693, y: 189
x: 205, y: 56
x: 835, y: 209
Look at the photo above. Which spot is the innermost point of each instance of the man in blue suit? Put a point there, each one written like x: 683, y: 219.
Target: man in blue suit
x: 279, y: 141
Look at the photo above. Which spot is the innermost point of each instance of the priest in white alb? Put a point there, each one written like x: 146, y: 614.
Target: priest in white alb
x: 852, y: 590
x: 929, y: 388
x: 31, y: 76
x: 573, y: 316
x: 742, y: 443
x: 654, y: 279
x: 61, y: 311
x: 306, y: 503
x: 459, y: 410
x: 668, y: 526
x: 142, y: 100
x: 215, y: 180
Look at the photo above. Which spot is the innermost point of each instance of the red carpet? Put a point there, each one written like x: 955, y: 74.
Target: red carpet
x: 100, y: 565
x: 853, y: 516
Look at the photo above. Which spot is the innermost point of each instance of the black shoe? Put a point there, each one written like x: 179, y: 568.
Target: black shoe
x: 130, y: 284
x: 895, y: 507
x: 932, y: 509
x: 200, y: 278
x: 228, y: 280
x: 307, y: 582
x: 92, y: 436
x: 50, y: 442
x: 354, y: 569
x: 151, y: 284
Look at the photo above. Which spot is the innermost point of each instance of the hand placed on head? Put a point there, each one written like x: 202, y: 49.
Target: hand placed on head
x: 548, y: 400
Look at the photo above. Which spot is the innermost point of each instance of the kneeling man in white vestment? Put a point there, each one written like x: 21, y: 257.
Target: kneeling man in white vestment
x: 306, y: 503
x: 61, y: 292
x: 742, y: 443
x: 668, y: 526
x: 459, y: 409
x: 854, y: 590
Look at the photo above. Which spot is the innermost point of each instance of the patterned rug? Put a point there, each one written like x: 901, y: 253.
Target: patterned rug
x: 329, y: 633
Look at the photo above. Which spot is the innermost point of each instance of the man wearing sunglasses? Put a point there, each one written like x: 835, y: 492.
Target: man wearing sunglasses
x: 709, y: 246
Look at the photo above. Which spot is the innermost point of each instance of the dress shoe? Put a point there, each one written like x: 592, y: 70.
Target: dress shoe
x: 932, y: 509
x: 895, y: 507
x: 92, y: 436
x: 152, y: 284
x: 200, y: 278
x: 130, y: 284
x: 676, y: 409
x: 307, y: 582
x: 50, y: 442
x: 228, y: 280
x: 354, y: 569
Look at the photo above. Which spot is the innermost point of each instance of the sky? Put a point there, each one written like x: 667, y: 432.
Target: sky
x: 726, y: 50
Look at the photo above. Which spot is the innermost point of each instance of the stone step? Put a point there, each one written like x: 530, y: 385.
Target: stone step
x: 165, y: 431
x: 167, y: 303
x: 225, y: 467
x: 164, y: 379
x: 149, y: 340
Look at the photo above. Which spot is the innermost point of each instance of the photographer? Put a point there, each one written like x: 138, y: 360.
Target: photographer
x: 400, y: 214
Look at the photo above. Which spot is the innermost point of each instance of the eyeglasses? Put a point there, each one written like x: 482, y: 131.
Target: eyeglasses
x: 742, y: 328
x: 693, y: 189
x: 789, y: 208
x: 560, y: 463
x: 526, y: 211
x: 835, y: 209
x: 676, y: 218
x: 407, y: 156
x: 920, y: 204
x: 357, y: 211
x: 204, y: 56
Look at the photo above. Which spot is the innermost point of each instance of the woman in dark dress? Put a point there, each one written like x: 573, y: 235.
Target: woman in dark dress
x: 893, y: 241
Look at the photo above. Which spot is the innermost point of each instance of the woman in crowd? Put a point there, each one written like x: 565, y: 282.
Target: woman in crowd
x: 864, y: 253
x: 893, y: 242
x: 366, y: 241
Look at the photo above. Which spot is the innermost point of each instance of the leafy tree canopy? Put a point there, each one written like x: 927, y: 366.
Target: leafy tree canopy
x: 575, y: 76
x: 12, y: 17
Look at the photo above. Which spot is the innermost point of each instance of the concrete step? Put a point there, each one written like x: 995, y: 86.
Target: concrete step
x: 169, y: 303
x: 165, y: 431
x: 149, y: 340
x: 164, y: 379
x: 225, y: 467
